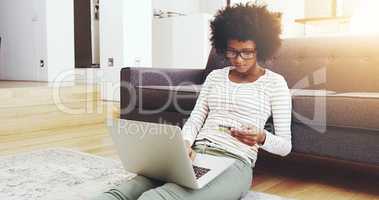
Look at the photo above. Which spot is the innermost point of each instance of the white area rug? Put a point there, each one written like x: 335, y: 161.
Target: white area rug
x: 55, y: 174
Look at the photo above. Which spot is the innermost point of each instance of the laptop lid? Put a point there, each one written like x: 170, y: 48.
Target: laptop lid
x: 153, y: 150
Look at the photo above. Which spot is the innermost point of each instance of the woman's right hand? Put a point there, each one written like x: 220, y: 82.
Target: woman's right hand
x: 190, y: 151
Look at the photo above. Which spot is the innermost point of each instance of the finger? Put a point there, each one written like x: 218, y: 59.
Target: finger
x: 249, y: 142
x: 240, y: 132
x: 237, y: 130
x: 193, y: 155
x: 233, y: 131
x: 190, y: 152
x: 237, y: 135
x: 243, y: 135
x: 242, y: 139
x: 246, y: 141
x: 251, y: 137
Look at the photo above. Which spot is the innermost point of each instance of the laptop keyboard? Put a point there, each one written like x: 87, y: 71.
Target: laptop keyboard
x: 200, y: 171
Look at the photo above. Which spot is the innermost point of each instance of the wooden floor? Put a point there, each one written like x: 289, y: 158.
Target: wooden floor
x: 30, y: 125
x: 18, y: 84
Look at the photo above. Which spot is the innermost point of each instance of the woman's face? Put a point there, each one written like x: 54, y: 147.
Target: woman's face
x: 242, y: 55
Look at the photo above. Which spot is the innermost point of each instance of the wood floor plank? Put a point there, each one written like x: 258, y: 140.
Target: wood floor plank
x: 21, y: 97
x: 45, y: 117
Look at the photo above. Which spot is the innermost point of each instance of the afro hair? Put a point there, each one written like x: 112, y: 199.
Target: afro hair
x: 244, y: 22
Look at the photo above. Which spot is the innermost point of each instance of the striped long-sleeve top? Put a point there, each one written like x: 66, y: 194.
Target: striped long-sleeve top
x: 223, y: 102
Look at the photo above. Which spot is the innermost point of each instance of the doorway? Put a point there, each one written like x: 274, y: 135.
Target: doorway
x: 86, y: 20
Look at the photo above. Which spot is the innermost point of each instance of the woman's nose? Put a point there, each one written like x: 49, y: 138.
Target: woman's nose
x: 239, y: 59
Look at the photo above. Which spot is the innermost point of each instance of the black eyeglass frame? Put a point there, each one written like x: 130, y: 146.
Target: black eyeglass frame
x: 241, y: 54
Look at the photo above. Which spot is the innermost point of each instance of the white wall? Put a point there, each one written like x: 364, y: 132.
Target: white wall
x: 126, y: 36
x: 190, y: 6
x: 162, y: 42
x: 291, y: 10
x: 323, y: 8
x: 60, y: 38
x: 40, y: 35
x: 181, y: 6
x: 137, y: 24
x: 126, y: 32
x: 21, y: 29
x: 347, y: 8
x: 35, y: 30
x: 319, y: 8
x: 181, y: 42
x: 211, y: 6
x: 111, y: 32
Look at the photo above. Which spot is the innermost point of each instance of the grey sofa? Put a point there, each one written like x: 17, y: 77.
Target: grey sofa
x: 334, y: 83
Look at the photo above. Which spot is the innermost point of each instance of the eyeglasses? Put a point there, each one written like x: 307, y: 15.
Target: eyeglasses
x: 245, y: 54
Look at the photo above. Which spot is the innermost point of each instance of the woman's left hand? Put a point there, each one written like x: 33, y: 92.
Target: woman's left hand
x: 249, y: 136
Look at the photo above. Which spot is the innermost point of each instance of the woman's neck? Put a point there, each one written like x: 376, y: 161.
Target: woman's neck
x: 253, y: 72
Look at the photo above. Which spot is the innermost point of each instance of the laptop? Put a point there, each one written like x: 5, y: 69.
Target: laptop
x: 158, y: 151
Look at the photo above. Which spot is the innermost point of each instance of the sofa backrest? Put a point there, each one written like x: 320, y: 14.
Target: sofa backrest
x: 341, y: 64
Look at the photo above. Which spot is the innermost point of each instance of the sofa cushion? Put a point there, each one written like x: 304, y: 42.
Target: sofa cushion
x: 335, y: 63
x: 359, y: 145
x: 180, y: 98
x: 350, y: 110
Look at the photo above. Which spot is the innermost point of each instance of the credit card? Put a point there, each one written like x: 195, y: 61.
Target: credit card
x: 224, y: 128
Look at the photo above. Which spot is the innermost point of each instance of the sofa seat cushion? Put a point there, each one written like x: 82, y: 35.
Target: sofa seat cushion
x: 167, y: 98
x: 350, y: 110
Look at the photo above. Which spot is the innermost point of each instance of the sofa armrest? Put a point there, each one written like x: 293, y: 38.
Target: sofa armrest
x: 138, y: 76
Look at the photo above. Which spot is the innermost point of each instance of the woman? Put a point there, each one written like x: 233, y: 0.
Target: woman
x: 242, y: 96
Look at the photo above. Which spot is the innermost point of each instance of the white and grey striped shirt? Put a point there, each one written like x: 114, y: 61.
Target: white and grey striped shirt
x: 223, y: 102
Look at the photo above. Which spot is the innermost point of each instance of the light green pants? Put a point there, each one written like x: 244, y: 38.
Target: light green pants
x: 232, y: 184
